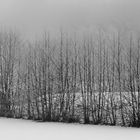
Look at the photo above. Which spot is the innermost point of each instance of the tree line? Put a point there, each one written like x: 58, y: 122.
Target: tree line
x: 94, y: 79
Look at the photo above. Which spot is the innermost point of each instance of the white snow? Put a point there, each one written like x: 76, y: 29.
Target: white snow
x: 12, y: 129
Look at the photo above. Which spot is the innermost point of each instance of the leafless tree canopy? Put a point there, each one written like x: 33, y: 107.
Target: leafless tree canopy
x: 93, y: 79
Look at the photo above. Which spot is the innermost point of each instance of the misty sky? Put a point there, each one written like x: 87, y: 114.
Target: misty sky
x: 33, y: 16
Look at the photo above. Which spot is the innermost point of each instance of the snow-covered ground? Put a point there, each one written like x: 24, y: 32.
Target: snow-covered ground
x: 11, y: 129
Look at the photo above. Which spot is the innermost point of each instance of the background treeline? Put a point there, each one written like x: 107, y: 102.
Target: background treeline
x: 94, y: 79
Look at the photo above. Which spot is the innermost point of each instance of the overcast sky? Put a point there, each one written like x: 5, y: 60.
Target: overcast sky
x: 33, y: 16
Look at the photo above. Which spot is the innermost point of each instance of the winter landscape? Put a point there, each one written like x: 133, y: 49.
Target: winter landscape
x: 62, y: 64
x: 94, y: 80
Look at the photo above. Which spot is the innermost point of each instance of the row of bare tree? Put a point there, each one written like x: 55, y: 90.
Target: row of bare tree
x: 94, y: 80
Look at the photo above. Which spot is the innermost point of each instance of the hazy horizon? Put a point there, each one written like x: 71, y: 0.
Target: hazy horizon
x: 31, y: 17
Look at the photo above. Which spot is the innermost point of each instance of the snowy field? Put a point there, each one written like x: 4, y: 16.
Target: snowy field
x: 11, y: 129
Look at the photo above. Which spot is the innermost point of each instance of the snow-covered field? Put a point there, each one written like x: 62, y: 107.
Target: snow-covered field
x: 11, y: 129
